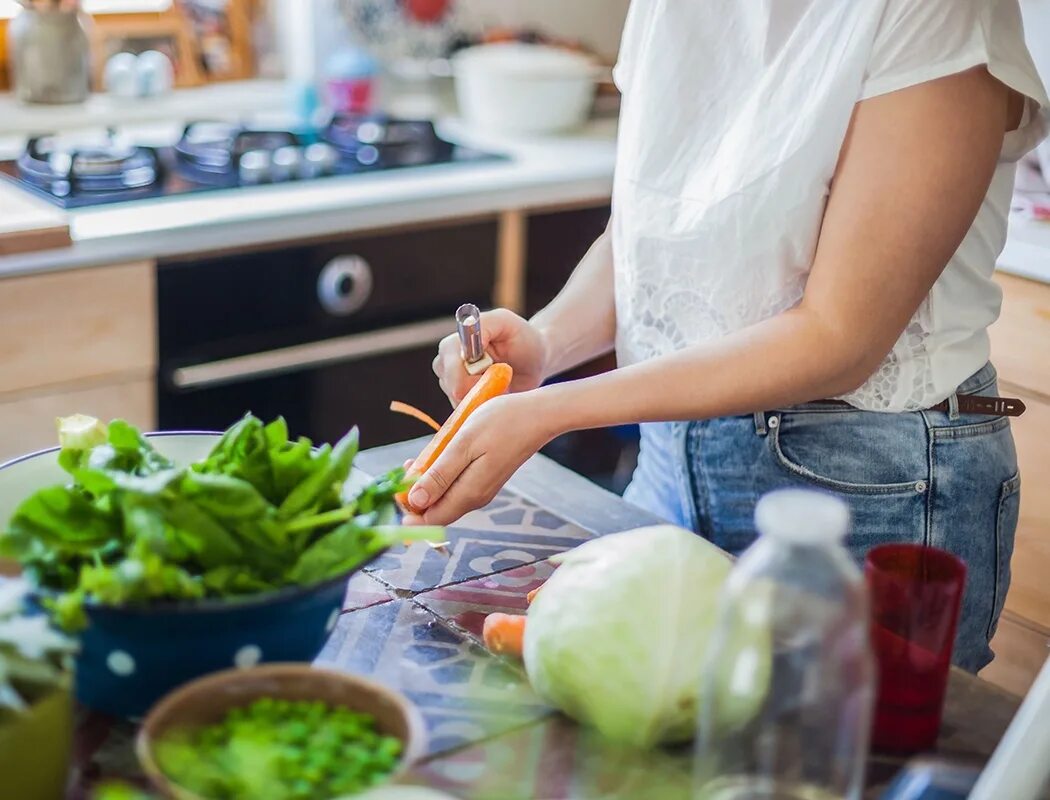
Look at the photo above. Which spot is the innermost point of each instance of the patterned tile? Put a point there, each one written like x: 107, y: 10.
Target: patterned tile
x: 464, y: 694
x: 553, y: 760
x: 509, y: 532
x: 363, y: 591
x: 465, y: 605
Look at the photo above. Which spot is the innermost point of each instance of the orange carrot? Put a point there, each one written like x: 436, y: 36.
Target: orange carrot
x: 495, y: 382
x: 411, y: 411
x: 504, y: 634
x: 532, y: 595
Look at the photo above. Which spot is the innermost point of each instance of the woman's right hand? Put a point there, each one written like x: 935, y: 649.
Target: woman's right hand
x: 507, y: 338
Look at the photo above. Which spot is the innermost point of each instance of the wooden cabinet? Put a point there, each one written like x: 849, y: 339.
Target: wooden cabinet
x: 76, y: 341
x: 556, y: 241
x: 1021, y: 352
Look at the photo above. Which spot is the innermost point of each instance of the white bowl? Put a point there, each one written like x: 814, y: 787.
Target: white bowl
x: 524, y: 89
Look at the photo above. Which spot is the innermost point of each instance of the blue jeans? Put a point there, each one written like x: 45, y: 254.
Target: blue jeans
x: 930, y: 477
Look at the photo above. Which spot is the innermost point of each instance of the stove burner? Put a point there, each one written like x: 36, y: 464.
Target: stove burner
x: 104, y: 166
x: 84, y: 170
x: 217, y: 148
x: 375, y: 141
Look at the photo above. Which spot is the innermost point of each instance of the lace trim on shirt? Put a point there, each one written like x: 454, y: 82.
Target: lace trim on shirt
x: 905, y: 376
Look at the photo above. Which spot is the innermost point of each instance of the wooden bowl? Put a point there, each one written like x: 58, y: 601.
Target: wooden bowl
x: 208, y: 700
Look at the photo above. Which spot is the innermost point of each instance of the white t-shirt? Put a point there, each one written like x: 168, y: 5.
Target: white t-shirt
x: 733, y: 116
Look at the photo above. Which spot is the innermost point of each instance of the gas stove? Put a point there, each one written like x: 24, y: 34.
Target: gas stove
x: 103, y: 169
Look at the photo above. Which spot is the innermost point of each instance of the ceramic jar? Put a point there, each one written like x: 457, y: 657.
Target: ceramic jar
x: 50, y: 53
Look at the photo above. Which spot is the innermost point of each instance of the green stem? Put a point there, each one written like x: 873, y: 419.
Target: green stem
x: 335, y: 517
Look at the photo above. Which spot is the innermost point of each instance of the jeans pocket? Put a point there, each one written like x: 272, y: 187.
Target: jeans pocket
x: 850, y: 452
x: 1005, y: 528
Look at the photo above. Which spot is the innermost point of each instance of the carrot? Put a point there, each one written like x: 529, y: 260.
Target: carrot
x: 495, y: 382
x: 532, y: 595
x: 404, y: 408
x: 504, y: 634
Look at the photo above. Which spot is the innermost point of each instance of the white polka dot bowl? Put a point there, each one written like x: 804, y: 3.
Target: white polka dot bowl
x: 131, y: 656
x: 208, y: 700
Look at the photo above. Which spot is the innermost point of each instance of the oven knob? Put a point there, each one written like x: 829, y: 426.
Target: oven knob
x: 345, y: 284
x: 255, y: 166
x: 286, y: 163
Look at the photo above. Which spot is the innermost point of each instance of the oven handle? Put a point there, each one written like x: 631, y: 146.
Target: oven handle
x: 314, y: 354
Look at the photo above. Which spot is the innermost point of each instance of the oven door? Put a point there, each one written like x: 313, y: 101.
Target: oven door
x: 321, y: 388
x: 325, y: 334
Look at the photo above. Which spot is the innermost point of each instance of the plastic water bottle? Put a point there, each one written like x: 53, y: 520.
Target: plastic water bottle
x: 788, y: 684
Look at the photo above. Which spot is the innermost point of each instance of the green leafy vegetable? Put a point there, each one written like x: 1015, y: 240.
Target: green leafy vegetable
x: 280, y: 750
x: 613, y: 652
x: 258, y: 513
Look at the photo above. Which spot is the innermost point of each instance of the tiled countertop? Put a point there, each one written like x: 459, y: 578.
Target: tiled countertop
x: 413, y: 621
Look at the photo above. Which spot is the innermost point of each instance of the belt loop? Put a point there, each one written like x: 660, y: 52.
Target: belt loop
x: 760, y: 423
x: 953, y: 407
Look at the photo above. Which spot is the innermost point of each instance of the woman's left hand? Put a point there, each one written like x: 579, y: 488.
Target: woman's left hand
x: 495, y: 440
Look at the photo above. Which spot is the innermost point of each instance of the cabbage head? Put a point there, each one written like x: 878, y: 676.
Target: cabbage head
x: 617, y: 637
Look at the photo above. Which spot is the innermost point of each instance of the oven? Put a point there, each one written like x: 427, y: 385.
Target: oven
x: 325, y: 334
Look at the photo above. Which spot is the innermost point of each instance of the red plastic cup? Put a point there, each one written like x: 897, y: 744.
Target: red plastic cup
x: 916, y: 593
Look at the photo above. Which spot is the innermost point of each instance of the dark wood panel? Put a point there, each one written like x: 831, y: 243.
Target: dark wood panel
x: 555, y: 243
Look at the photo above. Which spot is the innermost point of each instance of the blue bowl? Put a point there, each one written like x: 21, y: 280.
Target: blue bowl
x: 131, y: 656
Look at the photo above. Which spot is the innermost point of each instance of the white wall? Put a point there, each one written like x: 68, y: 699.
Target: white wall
x: 1037, y: 33
x: 309, y: 29
x: 598, y: 23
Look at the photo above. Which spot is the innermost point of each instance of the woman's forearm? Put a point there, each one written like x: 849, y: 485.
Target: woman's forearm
x: 580, y: 323
x: 789, y: 359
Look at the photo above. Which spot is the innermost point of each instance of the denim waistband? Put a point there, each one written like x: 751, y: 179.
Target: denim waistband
x: 976, y: 384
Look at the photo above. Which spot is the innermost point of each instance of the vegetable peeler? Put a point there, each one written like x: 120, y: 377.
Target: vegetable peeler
x: 468, y: 323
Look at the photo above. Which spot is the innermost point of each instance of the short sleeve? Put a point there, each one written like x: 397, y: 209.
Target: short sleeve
x: 923, y: 40
x: 630, y: 43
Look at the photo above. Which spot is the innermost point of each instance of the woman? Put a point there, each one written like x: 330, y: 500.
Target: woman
x: 809, y: 200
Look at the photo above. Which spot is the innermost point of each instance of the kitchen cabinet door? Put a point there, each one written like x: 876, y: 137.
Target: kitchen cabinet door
x: 27, y: 423
x: 1021, y: 353
x: 76, y: 325
x: 1021, y: 337
x: 555, y: 243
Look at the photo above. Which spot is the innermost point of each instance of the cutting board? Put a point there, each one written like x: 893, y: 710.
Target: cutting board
x: 28, y: 224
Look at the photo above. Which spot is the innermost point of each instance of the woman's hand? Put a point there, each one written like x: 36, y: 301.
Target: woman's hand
x: 494, y: 442
x: 507, y: 338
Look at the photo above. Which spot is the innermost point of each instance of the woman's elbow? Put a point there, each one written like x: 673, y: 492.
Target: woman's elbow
x: 853, y: 367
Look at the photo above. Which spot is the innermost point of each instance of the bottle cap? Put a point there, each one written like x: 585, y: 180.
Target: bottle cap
x: 802, y: 517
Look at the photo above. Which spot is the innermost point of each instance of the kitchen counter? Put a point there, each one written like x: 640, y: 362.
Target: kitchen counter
x: 413, y: 621
x: 230, y: 100
x: 572, y: 169
x: 1027, y: 251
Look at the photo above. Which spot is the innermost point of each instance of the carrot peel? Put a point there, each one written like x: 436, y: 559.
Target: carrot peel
x: 504, y: 634
x: 411, y: 411
x: 495, y: 382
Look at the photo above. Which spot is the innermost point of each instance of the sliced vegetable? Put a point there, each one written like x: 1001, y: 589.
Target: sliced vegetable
x: 80, y: 431
x: 277, y: 749
x: 495, y: 382
x: 532, y: 595
x: 411, y: 411
x: 504, y: 634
